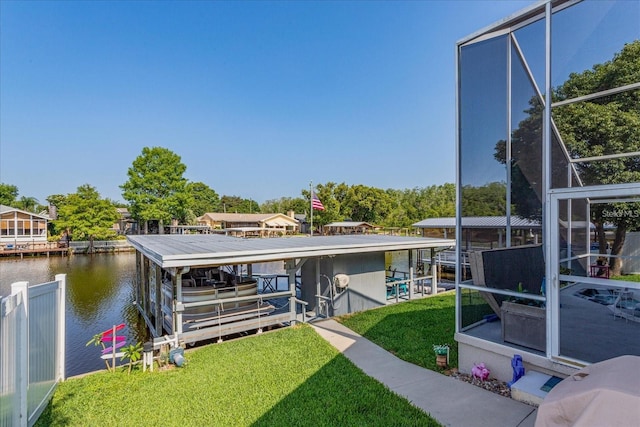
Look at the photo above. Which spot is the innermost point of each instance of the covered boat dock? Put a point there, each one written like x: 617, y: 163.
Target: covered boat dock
x: 198, y: 287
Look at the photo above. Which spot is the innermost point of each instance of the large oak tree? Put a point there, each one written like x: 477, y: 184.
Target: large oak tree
x: 203, y: 198
x: 157, y: 188
x: 606, y: 125
x: 603, y: 126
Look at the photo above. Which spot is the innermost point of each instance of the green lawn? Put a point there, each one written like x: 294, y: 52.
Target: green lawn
x: 410, y: 329
x: 628, y: 277
x: 290, y: 377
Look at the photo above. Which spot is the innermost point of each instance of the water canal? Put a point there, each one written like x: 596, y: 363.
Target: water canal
x: 100, y: 294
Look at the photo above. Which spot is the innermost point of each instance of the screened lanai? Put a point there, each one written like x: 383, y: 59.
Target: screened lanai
x: 571, y: 164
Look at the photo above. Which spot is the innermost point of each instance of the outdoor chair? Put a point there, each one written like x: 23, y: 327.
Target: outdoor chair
x: 624, y: 301
x: 402, y: 288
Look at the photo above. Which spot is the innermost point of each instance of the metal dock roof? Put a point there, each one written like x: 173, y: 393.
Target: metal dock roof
x: 179, y: 250
x: 478, y: 222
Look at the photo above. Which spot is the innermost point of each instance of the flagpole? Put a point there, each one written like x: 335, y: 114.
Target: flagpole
x: 311, y: 204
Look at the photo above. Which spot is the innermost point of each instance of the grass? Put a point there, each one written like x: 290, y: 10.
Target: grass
x: 290, y: 377
x: 628, y: 277
x: 410, y: 329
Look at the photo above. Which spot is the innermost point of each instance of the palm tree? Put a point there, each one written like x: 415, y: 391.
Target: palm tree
x: 28, y: 203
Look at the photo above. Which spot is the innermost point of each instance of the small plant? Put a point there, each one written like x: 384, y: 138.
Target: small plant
x: 441, y: 349
x: 96, y: 340
x: 133, y: 353
x: 525, y: 301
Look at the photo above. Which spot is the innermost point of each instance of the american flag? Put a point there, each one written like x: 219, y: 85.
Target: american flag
x: 315, y: 202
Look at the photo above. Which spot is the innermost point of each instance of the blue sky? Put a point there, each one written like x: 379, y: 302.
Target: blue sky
x: 258, y: 98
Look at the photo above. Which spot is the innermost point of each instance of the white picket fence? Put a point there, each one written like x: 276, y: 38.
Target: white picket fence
x: 32, y: 349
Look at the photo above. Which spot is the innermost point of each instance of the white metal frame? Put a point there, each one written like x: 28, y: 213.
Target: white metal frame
x: 550, y: 204
x: 27, y: 404
x: 630, y: 191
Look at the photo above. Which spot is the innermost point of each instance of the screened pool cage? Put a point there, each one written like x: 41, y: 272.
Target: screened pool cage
x: 548, y: 130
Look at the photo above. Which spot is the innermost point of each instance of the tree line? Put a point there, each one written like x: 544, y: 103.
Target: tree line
x: 156, y: 190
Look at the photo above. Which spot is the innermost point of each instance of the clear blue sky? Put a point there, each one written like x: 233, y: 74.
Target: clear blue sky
x: 258, y: 98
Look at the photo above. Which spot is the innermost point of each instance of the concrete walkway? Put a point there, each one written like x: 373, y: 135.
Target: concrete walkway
x: 450, y: 401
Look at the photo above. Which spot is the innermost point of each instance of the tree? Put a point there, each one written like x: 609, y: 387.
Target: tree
x: 487, y: 200
x: 330, y: 194
x: 590, y: 128
x: 284, y: 205
x: 87, y: 216
x: 441, y: 201
x: 401, y: 211
x: 391, y: 208
x: 204, y: 198
x: 601, y: 126
x: 9, y: 197
x: 29, y: 204
x: 235, y: 204
x: 133, y: 353
x: 429, y: 202
x: 366, y: 204
x: 56, y: 199
x: 8, y: 194
x: 157, y: 189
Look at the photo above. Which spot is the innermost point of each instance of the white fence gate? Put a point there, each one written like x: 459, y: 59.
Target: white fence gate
x: 32, y: 349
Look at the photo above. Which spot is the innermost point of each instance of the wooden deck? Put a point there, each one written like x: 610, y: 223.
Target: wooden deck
x: 34, y: 252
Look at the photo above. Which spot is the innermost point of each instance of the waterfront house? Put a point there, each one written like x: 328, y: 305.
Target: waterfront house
x: 20, y: 228
x: 534, y: 142
x: 258, y: 223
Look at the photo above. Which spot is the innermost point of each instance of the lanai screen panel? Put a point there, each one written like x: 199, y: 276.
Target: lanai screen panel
x: 594, y: 136
x: 596, y: 91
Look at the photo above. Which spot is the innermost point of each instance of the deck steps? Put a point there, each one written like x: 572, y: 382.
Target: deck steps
x: 529, y: 388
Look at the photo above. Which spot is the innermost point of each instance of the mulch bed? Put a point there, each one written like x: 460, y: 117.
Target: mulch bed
x: 491, y: 384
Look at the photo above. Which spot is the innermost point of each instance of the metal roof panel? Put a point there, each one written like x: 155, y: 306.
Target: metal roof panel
x: 211, y: 249
x: 478, y: 222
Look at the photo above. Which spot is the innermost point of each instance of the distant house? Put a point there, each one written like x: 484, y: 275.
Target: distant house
x: 273, y: 222
x: 348, y: 227
x: 18, y: 227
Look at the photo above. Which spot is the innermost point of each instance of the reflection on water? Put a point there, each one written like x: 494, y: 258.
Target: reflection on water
x: 99, y: 295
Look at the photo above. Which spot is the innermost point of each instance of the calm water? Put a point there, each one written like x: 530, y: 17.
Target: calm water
x: 100, y: 294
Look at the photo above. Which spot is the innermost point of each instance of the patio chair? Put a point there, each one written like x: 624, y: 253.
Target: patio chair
x: 624, y: 301
x: 402, y: 288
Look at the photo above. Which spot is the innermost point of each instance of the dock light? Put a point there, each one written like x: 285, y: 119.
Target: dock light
x: 176, y: 356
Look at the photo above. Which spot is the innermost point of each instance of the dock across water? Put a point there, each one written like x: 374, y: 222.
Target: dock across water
x: 33, y: 251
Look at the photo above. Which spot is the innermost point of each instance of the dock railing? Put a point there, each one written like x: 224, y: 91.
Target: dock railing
x: 32, y: 349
